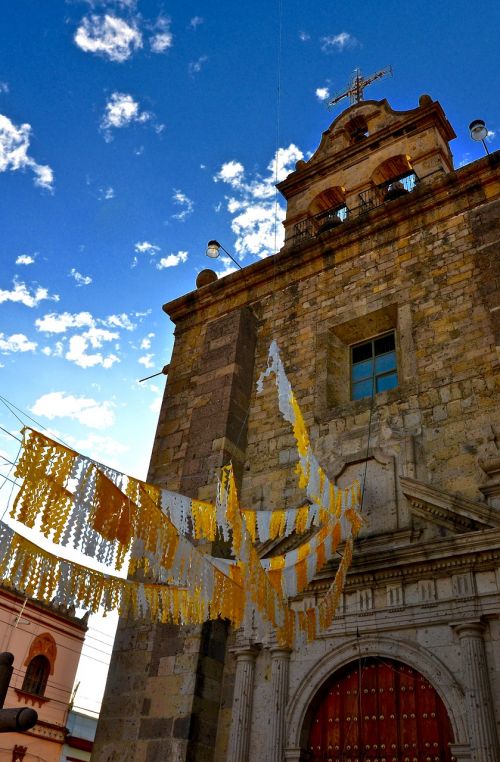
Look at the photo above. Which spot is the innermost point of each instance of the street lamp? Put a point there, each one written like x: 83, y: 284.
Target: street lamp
x: 213, y: 251
x: 479, y: 132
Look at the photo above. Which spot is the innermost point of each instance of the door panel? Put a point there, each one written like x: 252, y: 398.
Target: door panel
x: 397, y: 716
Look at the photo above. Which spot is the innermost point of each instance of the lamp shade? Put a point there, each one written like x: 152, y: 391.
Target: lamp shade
x: 478, y: 130
x: 213, y: 249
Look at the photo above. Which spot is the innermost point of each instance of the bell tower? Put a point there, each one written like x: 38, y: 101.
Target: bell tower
x: 369, y: 155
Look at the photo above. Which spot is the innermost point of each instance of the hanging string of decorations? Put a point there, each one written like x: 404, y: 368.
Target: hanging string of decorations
x: 111, y: 518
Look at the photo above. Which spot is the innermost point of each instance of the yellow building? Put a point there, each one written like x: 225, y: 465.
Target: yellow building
x: 384, y: 301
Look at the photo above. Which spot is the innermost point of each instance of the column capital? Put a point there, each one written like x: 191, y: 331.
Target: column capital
x: 280, y: 652
x: 474, y: 628
x: 244, y: 652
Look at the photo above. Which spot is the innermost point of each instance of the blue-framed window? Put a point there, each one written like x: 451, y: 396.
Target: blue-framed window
x: 373, y: 366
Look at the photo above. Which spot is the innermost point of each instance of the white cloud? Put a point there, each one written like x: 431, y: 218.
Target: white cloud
x: 145, y: 247
x: 18, y: 342
x: 101, y: 447
x: 4, y: 87
x: 146, y: 341
x: 322, y: 93
x: 121, y: 111
x: 231, y: 172
x: 253, y: 204
x: 162, y: 39
x: 97, y: 336
x: 85, y: 410
x: 81, y: 280
x: 304, y: 36
x: 196, y: 21
x: 63, y: 321
x: 25, y: 259
x: 122, y: 320
x: 108, y: 36
x: 14, y: 145
x: 78, y: 354
x: 228, y: 267
x: 147, y: 360
x: 338, y: 42
x: 24, y: 295
x: 490, y: 136
x: 195, y: 67
x: 187, y: 206
x: 172, y: 260
x: 106, y: 194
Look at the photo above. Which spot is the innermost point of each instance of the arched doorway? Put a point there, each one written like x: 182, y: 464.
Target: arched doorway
x: 396, y: 717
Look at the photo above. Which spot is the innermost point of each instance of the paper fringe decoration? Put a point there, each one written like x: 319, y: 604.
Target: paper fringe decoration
x: 109, y: 516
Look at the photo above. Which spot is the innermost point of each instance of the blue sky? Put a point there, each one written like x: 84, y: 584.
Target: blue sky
x: 131, y: 132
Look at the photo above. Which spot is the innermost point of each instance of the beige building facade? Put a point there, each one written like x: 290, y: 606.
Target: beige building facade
x: 384, y: 302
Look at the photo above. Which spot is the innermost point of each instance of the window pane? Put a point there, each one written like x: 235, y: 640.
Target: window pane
x: 362, y: 370
x: 385, y: 363
x: 362, y: 389
x: 384, y: 344
x: 390, y: 381
x: 362, y: 352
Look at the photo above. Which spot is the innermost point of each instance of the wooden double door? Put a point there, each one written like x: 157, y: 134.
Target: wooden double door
x: 378, y: 710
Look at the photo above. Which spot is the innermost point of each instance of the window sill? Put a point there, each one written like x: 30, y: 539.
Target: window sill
x: 30, y: 698
x: 358, y: 407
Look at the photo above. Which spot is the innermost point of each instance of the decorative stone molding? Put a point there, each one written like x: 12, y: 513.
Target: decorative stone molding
x: 437, y: 673
x: 451, y: 511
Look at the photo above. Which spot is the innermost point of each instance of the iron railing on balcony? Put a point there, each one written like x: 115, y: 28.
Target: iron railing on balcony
x: 369, y: 199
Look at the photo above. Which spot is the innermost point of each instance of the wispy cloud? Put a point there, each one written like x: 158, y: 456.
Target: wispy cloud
x: 196, y: 21
x: 106, y: 194
x: 108, y: 36
x: 4, y: 87
x: 322, y: 93
x: 195, y: 67
x: 121, y: 111
x: 172, y: 260
x: 186, y: 205
x: 79, y: 354
x: 336, y: 43
x: 252, y: 204
x: 25, y: 259
x: 85, y: 410
x: 147, y: 360
x: 23, y: 294
x: 14, y: 145
x: 304, y: 36
x: 145, y: 247
x: 81, y: 280
x: 18, y: 342
x: 162, y: 38
x: 146, y: 341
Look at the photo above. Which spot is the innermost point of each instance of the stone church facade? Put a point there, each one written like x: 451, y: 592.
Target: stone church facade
x: 388, y: 280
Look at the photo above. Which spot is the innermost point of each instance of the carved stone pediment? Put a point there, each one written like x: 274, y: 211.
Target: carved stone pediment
x: 448, y: 510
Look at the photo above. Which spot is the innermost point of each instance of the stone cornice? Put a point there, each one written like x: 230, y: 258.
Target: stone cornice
x: 451, y: 511
x: 260, y: 279
x: 442, y: 557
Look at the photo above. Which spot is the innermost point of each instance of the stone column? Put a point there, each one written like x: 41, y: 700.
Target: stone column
x: 239, y: 738
x: 478, y: 697
x: 279, y: 697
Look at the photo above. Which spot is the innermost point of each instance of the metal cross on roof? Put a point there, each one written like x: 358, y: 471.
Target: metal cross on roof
x: 357, y: 84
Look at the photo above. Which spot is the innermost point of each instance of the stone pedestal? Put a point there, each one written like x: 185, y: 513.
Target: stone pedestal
x: 479, y: 702
x: 279, y: 691
x: 239, y: 739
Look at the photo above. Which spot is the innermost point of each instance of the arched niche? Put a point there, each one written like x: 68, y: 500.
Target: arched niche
x: 43, y: 645
x: 391, y: 169
x: 330, y: 198
x: 301, y: 705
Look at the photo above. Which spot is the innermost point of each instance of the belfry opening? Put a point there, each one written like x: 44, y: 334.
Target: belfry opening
x: 378, y: 710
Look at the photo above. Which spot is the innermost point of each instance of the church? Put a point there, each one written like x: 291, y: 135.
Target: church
x: 385, y: 304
